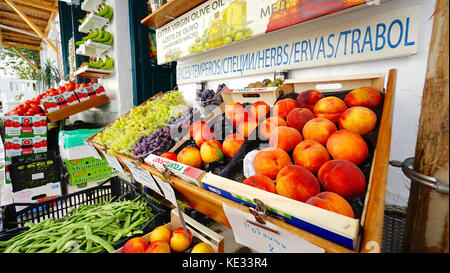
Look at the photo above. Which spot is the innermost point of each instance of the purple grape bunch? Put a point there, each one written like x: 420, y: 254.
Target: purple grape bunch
x: 156, y: 143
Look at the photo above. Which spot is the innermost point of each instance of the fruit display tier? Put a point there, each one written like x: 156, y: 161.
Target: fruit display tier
x: 169, y: 11
x: 77, y: 108
x: 371, y: 210
x: 87, y: 72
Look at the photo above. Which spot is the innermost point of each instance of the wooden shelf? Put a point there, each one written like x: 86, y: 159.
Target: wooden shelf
x: 169, y: 11
x: 77, y: 108
x: 86, y: 72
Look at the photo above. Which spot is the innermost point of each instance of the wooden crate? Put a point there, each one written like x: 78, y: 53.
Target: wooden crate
x: 198, y: 231
x: 77, y: 108
x: 371, y: 224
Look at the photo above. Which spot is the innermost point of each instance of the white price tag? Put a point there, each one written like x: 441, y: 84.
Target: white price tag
x: 267, y: 238
x: 113, y: 162
x: 142, y: 176
x: 92, y: 151
x: 169, y: 193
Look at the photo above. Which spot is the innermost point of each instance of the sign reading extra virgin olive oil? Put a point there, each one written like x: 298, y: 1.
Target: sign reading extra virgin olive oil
x: 216, y: 23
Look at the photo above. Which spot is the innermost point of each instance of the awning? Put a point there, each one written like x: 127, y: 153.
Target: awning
x: 26, y: 23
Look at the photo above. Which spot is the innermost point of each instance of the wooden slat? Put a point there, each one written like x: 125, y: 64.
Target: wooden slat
x: 77, y: 108
x: 28, y: 9
x: 170, y: 10
x: 37, y: 20
x: 8, y: 44
x: 38, y: 4
x: 31, y: 24
x: 373, y: 226
x: 14, y: 22
x: 20, y: 35
x: 21, y: 40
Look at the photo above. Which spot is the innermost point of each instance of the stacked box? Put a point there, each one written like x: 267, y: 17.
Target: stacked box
x: 69, y: 98
x: 25, y: 135
x: 88, y: 169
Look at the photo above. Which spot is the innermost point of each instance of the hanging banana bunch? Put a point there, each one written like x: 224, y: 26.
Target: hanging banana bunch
x: 107, y: 64
x: 106, y: 11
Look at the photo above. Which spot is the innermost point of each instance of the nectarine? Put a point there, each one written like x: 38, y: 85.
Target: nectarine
x: 285, y: 138
x: 333, y: 202
x: 342, y: 177
x: 310, y: 154
x: 232, y: 144
x: 298, y: 117
x: 269, y: 161
x: 158, y: 247
x: 190, y: 156
x: 364, y: 96
x: 348, y: 145
x: 211, y: 151
x: 202, y: 248
x: 358, y: 119
x: 135, y: 245
x: 178, y: 240
x: 297, y: 183
x: 319, y: 129
x: 330, y: 108
x: 261, y: 182
x: 307, y: 99
x: 259, y: 110
x: 270, y: 123
x: 160, y: 233
x: 169, y: 155
x: 283, y: 107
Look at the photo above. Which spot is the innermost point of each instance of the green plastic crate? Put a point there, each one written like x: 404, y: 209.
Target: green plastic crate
x: 88, y: 169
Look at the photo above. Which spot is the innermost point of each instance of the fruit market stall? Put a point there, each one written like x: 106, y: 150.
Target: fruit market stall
x: 210, y: 174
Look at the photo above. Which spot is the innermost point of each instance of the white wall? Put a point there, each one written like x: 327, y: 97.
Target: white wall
x: 118, y: 86
x: 410, y: 82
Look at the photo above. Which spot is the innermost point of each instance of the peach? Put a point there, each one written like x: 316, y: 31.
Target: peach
x: 231, y: 144
x: 283, y: 107
x: 158, y: 247
x: 297, y: 183
x: 246, y: 128
x: 202, y: 248
x: 135, y: 245
x: 259, y: 110
x: 160, y: 233
x: 229, y: 108
x: 311, y: 155
x: 203, y: 135
x: 178, y: 240
x: 358, y: 119
x: 269, y: 161
x: 348, y: 145
x: 298, y: 117
x: 319, y: 129
x: 285, y: 138
x: 333, y: 202
x: 190, y: 156
x: 211, y: 151
x: 330, y: 108
x: 364, y: 96
x: 307, y: 99
x: 261, y: 182
x: 342, y: 177
x: 270, y: 123
x: 197, y: 126
x: 238, y: 116
x: 169, y: 155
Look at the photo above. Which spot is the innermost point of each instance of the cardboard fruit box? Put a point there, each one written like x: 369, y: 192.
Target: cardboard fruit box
x: 336, y: 228
x: 200, y: 233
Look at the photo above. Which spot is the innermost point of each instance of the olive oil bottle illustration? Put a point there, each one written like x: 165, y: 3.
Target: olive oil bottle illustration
x: 232, y: 26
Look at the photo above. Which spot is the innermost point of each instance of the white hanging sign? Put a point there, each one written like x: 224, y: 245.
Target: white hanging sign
x: 169, y: 193
x: 93, y: 151
x: 113, y: 162
x: 381, y: 36
x: 267, y: 238
x: 142, y: 176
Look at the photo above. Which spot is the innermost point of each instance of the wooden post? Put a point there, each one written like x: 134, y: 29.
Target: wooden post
x: 31, y: 24
x: 426, y: 228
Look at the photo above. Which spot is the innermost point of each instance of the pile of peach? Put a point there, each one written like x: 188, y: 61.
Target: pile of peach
x: 316, y: 144
x: 163, y: 240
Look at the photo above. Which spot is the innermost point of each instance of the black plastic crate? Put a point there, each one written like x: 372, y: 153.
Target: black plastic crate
x: 113, y: 189
x: 34, y: 170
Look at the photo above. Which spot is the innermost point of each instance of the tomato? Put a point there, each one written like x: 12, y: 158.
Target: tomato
x: 70, y: 86
x: 83, y: 85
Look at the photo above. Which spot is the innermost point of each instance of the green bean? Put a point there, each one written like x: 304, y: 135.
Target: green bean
x: 100, y: 241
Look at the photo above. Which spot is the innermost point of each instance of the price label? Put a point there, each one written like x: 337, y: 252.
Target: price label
x: 92, y: 151
x: 169, y: 193
x: 142, y: 176
x: 113, y: 162
x: 265, y: 238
